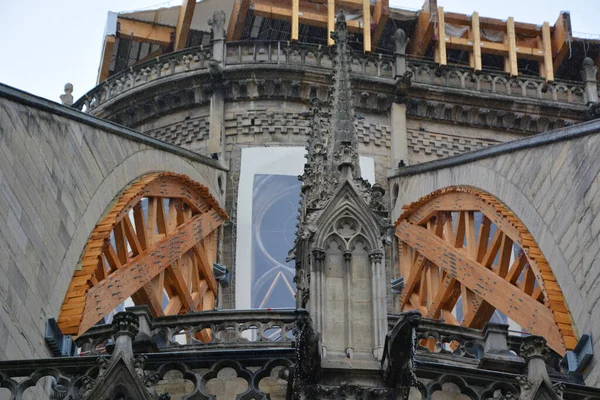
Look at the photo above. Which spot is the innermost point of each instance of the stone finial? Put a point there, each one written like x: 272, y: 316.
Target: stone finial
x: 125, y: 327
x: 217, y: 24
x: 401, y: 40
x: 534, y: 347
x: 589, y: 72
x: 496, y: 355
x: 67, y: 97
x: 535, y: 351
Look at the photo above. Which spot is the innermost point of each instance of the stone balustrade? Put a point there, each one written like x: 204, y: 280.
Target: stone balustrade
x: 463, y: 344
x: 198, y: 331
x: 286, y: 54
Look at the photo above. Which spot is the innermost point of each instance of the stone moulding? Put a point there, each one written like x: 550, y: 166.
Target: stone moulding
x: 278, y: 70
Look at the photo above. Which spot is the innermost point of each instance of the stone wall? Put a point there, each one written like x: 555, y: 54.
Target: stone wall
x: 552, y: 183
x: 59, y: 172
x: 431, y: 140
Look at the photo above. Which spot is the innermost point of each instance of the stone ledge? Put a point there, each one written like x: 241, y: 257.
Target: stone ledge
x: 30, y: 100
x: 559, y: 135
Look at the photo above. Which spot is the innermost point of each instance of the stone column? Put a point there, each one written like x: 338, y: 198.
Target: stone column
x: 348, y: 274
x: 398, y: 110
x: 125, y: 326
x: 535, y: 350
x: 143, y: 342
x: 217, y: 26
x: 496, y: 355
x: 378, y: 299
x: 589, y: 73
x: 216, y: 141
x: 316, y: 290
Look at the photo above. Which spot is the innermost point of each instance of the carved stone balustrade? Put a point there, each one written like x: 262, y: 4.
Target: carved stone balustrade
x: 457, y: 343
x: 191, y: 59
x: 239, y: 56
x: 199, y: 331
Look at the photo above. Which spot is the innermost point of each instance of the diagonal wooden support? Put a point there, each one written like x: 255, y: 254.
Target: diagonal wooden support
x: 141, y: 270
x: 182, y: 30
x: 526, y: 311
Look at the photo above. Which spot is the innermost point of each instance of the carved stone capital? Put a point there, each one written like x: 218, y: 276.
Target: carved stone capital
x: 125, y: 323
x: 319, y: 254
x: 534, y: 347
x: 376, y: 256
x: 347, y: 256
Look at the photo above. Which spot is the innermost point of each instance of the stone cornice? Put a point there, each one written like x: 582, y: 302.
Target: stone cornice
x: 301, y: 83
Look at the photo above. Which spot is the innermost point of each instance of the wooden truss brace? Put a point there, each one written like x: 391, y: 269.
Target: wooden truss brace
x: 182, y: 30
x: 107, y: 52
x: 443, y: 258
x: 549, y: 50
x: 315, y: 13
x: 145, y: 32
x: 157, y: 242
x: 424, y: 29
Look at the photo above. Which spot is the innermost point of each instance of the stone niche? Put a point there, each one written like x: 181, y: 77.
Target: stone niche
x: 348, y: 276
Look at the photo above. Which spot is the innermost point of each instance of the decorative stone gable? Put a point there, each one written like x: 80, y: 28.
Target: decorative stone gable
x: 340, y: 273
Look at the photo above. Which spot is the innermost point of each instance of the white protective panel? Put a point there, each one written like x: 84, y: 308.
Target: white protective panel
x: 264, y: 161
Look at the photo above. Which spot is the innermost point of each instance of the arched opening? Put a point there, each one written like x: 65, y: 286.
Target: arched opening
x: 467, y: 259
x: 154, y: 246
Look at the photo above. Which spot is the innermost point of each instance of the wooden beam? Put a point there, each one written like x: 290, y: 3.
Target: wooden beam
x: 561, y: 39
x: 182, y: 30
x: 238, y: 19
x: 183, y: 291
x: 423, y: 33
x: 493, y: 24
x: 440, y: 53
x: 308, y: 15
x: 484, y: 283
x: 381, y: 16
x: 476, y: 35
x: 145, y: 32
x: 366, y: 26
x: 205, y: 267
x: 295, y: 19
x: 513, y: 68
x: 330, y: 21
x: 548, y: 67
x: 412, y: 280
x: 106, y: 60
x: 174, y: 306
x: 141, y: 270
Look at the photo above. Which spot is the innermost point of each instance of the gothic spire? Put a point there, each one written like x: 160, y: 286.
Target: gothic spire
x: 342, y: 144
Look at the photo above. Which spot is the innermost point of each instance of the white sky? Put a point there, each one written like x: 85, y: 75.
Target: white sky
x: 45, y: 44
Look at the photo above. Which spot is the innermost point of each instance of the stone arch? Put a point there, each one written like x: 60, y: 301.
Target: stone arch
x: 129, y: 170
x: 481, y: 176
x: 347, y: 209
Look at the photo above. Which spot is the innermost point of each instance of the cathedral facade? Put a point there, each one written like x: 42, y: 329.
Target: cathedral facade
x: 315, y: 200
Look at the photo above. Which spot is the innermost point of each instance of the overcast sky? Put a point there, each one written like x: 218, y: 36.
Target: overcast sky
x: 45, y: 44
